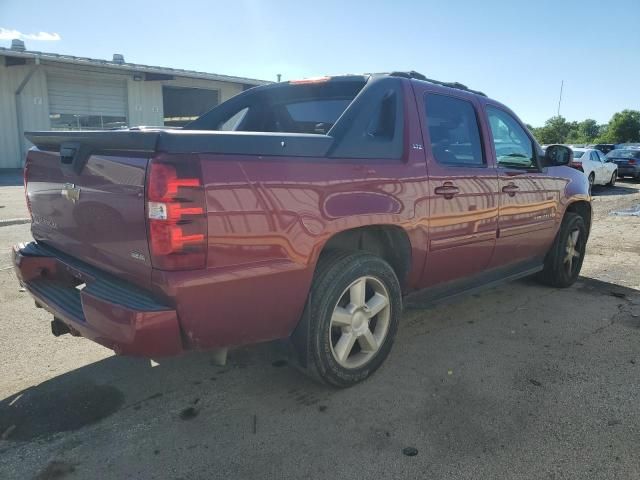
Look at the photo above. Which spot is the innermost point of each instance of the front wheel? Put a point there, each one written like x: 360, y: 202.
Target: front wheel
x: 564, y: 259
x: 353, y: 312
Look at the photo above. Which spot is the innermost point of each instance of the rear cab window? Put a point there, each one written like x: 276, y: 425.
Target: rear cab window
x: 285, y: 108
x: 452, y: 124
x: 513, y: 146
x: 316, y: 116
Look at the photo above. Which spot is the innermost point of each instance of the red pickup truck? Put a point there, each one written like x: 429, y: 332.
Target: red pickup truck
x: 304, y: 211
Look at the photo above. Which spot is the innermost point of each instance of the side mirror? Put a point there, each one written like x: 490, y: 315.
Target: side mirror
x: 557, y: 155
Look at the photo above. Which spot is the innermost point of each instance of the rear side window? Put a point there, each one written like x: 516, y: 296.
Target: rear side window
x: 514, y: 148
x: 453, y: 131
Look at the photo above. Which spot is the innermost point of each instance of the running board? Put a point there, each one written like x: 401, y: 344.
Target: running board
x: 442, y: 293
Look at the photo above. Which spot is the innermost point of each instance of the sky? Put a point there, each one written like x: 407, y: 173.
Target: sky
x: 517, y: 52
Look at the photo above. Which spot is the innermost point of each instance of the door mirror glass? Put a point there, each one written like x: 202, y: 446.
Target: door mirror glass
x: 557, y: 155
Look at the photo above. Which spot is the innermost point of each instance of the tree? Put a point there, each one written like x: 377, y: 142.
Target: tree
x: 583, y: 132
x: 589, y: 129
x: 624, y: 126
x: 555, y: 130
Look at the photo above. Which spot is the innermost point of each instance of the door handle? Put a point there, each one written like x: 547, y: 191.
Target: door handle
x: 448, y: 190
x: 510, y: 189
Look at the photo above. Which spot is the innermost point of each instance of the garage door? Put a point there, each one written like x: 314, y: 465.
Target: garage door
x: 85, y: 100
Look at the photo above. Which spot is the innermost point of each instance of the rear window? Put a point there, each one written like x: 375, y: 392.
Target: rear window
x: 317, y: 111
x: 624, y: 154
x: 577, y: 154
x: 286, y: 108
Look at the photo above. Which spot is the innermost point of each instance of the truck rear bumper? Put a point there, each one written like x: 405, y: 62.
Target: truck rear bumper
x: 96, y: 305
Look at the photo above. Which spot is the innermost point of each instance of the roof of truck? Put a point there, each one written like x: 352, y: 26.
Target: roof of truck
x: 418, y: 76
x: 411, y: 75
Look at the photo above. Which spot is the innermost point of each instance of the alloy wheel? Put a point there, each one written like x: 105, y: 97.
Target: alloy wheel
x: 360, y: 322
x: 573, y: 251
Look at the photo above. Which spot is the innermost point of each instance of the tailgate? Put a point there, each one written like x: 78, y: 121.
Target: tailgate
x: 86, y: 194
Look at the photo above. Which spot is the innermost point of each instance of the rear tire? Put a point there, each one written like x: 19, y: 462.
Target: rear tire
x: 353, y: 311
x: 592, y: 181
x: 612, y: 182
x: 564, y: 260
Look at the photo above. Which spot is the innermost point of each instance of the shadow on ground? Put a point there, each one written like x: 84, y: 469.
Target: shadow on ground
x: 94, y: 392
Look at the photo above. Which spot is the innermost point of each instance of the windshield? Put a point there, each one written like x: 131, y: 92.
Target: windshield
x: 624, y: 154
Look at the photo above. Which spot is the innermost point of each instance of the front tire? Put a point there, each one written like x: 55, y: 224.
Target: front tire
x: 564, y: 259
x: 353, y: 311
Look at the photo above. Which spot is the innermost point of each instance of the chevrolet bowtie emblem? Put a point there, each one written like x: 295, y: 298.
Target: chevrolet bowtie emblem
x: 71, y: 192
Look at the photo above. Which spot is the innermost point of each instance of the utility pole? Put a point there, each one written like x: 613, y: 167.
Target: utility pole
x: 279, y: 77
x: 560, y: 99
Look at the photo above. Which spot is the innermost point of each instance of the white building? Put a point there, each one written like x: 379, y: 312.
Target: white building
x: 48, y: 91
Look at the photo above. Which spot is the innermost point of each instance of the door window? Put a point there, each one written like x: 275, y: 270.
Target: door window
x: 453, y: 131
x: 514, y: 148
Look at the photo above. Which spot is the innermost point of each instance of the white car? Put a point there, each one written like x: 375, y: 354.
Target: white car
x: 598, y: 169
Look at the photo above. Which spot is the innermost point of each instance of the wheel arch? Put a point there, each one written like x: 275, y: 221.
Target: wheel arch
x: 582, y: 208
x: 389, y: 242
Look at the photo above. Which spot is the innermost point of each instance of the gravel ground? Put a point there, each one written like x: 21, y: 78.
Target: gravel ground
x: 520, y: 381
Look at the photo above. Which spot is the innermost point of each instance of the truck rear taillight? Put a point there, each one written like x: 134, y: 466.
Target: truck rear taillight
x: 176, y: 214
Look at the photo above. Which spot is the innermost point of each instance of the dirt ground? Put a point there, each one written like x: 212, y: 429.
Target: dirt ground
x: 517, y: 382
x: 613, y: 251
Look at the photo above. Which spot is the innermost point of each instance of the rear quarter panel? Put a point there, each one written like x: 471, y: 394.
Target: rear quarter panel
x: 268, y: 219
